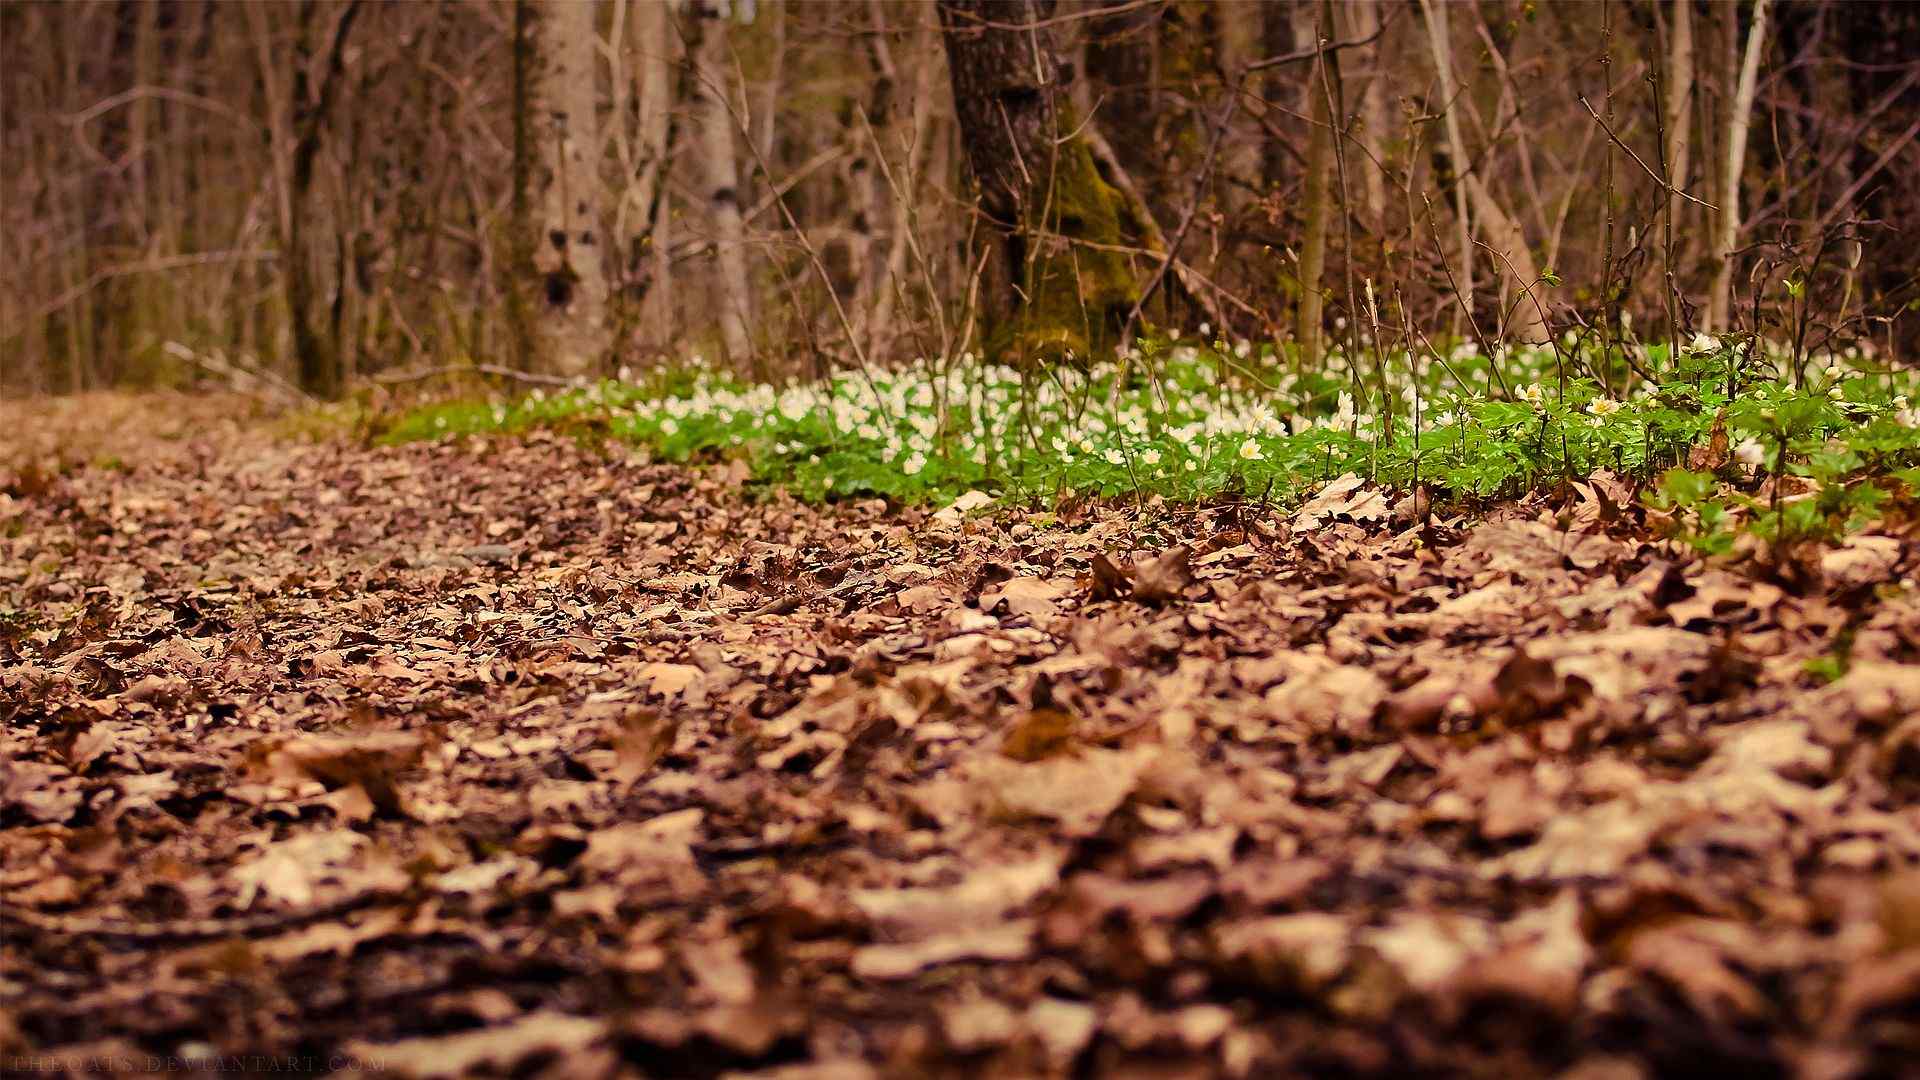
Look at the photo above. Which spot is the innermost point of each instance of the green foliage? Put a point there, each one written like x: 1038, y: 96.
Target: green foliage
x: 1188, y: 421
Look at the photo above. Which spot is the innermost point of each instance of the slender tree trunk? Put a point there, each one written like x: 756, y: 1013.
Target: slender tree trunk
x: 1361, y: 18
x: 765, y: 121
x: 77, y: 316
x: 1727, y: 236
x: 1503, y: 234
x: 1059, y: 291
x: 144, y: 324
x: 866, y: 176
x: 1276, y: 39
x: 720, y: 176
x: 518, y: 277
x: 297, y: 121
x: 1442, y: 46
x: 912, y: 143
x: 1310, y: 315
x: 1237, y: 37
x: 1679, y: 117
x: 654, y: 38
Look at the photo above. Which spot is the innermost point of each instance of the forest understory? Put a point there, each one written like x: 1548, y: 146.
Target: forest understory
x: 519, y: 756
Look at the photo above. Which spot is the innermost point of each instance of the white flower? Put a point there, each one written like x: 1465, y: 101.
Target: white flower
x: 1250, y: 451
x: 914, y: 464
x: 668, y: 426
x: 1836, y: 393
x: 1534, y: 394
x: 1750, y: 452
x: 1115, y: 457
x: 1086, y: 446
x: 1704, y: 343
x: 1833, y: 371
x: 1150, y: 457
x: 1603, y: 407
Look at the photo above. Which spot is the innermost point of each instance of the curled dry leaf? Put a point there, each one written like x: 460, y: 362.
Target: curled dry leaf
x: 1033, y: 597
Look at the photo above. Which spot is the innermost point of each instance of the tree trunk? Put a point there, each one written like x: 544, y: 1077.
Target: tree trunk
x: 1441, y: 44
x: 571, y: 332
x: 1120, y: 73
x: 907, y: 138
x: 1310, y: 315
x: 297, y: 122
x: 1361, y: 19
x: 721, y: 176
x: 1503, y: 234
x: 1720, y: 300
x: 144, y: 325
x: 1060, y: 291
x: 646, y: 42
x: 1679, y: 106
x: 1237, y: 36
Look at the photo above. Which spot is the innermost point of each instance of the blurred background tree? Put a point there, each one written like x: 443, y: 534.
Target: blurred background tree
x: 306, y: 195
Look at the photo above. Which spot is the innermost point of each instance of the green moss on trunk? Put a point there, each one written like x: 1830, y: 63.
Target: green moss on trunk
x: 1064, y: 286
x: 1078, y: 287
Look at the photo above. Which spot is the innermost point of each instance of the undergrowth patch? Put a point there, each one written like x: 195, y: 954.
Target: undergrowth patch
x: 1704, y: 428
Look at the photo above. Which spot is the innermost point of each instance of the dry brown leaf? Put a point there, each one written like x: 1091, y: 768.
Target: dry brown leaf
x: 1033, y: 597
x: 497, y: 1049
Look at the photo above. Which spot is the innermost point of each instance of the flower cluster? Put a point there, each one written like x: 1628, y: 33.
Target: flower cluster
x: 1186, y: 418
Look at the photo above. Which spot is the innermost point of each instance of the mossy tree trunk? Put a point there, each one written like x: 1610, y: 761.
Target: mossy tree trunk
x: 1061, y: 289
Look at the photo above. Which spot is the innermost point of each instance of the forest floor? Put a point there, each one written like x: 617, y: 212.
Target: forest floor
x: 517, y: 755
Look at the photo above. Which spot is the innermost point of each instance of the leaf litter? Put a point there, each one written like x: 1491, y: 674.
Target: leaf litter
x: 519, y: 756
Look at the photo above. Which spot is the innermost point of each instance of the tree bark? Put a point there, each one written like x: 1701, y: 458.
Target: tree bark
x: 1679, y: 106
x: 1120, y: 73
x: 642, y: 209
x: 1720, y: 300
x: 1059, y: 291
x: 1442, y: 46
x: 297, y: 123
x: 1237, y: 34
x: 720, y: 173
x: 909, y: 139
x: 1310, y: 314
x: 1503, y: 234
x: 571, y: 332
x: 1361, y: 19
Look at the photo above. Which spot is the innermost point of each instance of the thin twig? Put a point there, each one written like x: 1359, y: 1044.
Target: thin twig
x: 1682, y: 192
x: 1186, y: 222
x: 535, y: 378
